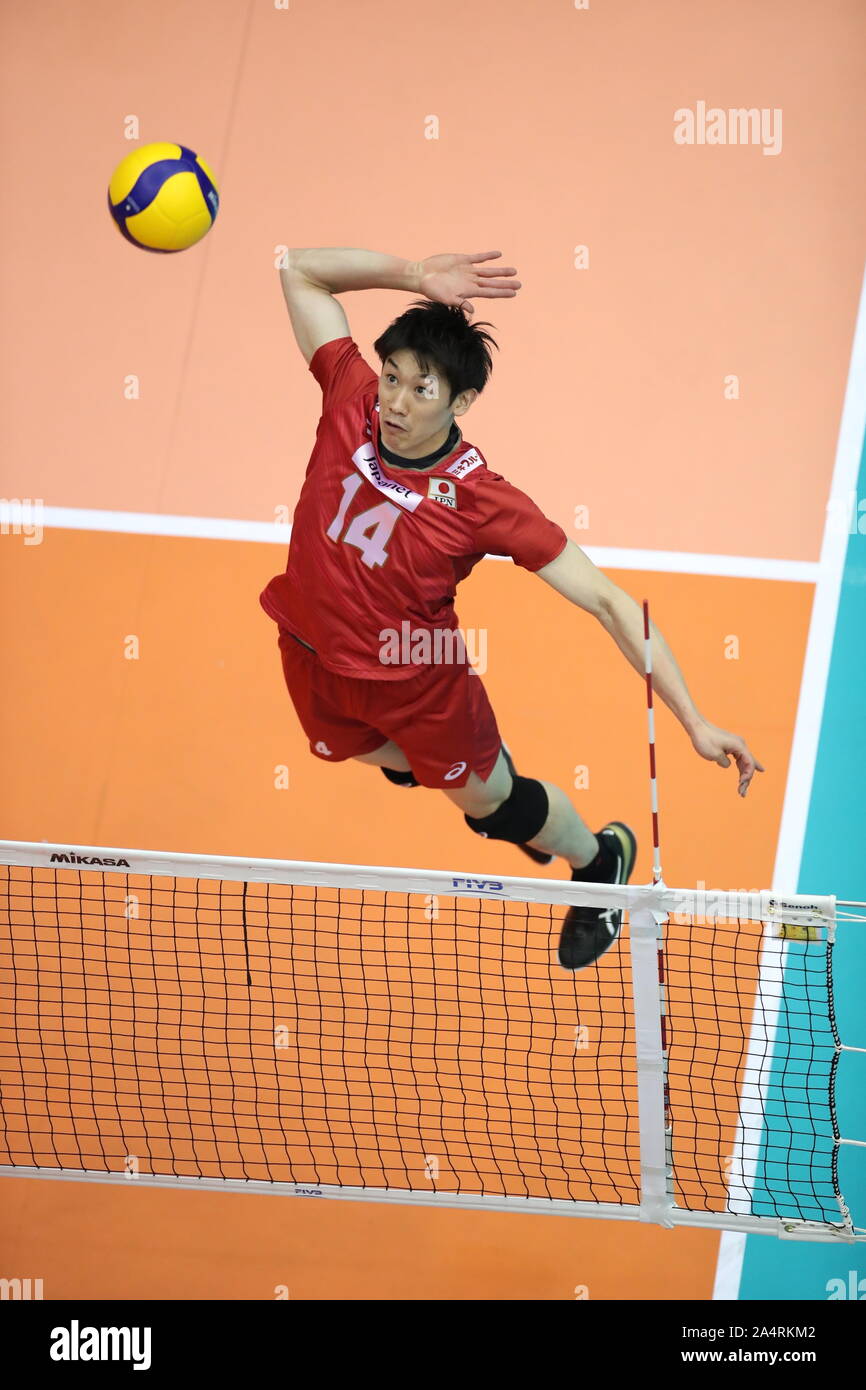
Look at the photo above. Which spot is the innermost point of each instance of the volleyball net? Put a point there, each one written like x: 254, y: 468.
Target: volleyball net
x: 406, y: 1035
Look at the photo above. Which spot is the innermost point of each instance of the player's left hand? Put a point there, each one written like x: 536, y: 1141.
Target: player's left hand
x: 458, y: 279
x: 718, y: 746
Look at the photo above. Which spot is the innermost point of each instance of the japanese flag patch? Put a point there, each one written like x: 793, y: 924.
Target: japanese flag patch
x: 443, y: 490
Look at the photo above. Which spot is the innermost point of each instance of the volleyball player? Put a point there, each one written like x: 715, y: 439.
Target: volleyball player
x: 395, y: 509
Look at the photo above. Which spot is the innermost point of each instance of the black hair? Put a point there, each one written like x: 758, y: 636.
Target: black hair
x: 440, y: 335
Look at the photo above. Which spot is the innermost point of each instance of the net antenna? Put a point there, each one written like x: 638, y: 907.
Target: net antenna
x: 653, y: 1032
x: 654, y: 795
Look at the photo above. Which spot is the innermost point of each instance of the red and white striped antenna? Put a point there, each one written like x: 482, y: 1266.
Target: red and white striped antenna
x: 660, y: 918
x: 654, y: 795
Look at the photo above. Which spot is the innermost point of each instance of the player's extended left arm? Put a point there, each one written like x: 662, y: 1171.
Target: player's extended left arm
x: 573, y: 575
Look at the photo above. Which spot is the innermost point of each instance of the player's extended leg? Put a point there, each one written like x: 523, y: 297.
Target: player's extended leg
x: 517, y: 804
x: 540, y: 814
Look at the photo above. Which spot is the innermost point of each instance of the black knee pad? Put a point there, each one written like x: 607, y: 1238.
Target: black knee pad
x: 518, y: 819
x: 400, y: 779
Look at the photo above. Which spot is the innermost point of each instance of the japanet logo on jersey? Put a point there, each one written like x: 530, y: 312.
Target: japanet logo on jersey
x: 440, y: 646
x: 366, y: 463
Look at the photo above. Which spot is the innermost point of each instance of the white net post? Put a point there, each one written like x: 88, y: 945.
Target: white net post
x: 656, y: 1170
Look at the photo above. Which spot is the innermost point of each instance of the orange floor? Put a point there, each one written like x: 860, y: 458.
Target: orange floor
x: 177, y: 749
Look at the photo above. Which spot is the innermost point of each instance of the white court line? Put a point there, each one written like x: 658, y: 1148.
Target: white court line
x: 277, y: 533
x: 807, y: 729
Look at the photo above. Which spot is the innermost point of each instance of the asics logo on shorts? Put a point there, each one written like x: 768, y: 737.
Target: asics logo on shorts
x: 455, y: 771
x: 322, y: 747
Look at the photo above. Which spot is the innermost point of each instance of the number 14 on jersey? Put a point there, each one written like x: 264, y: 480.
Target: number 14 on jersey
x: 379, y: 520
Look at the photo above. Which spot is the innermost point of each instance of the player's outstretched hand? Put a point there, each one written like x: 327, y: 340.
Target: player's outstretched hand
x: 457, y: 280
x: 719, y: 747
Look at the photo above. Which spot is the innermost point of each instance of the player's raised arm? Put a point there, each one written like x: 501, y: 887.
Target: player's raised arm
x: 317, y: 317
x: 574, y: 575
x: 311, y: 277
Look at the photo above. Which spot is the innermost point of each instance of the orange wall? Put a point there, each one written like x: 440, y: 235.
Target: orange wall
x: 555, y: 130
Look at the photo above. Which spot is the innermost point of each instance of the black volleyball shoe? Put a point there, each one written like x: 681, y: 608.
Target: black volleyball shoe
x: 588, y: 932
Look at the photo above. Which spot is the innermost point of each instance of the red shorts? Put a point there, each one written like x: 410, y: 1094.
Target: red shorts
x: 441, y: 718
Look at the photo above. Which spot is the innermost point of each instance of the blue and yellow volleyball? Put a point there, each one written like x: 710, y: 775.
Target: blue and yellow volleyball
x: 163, y: 197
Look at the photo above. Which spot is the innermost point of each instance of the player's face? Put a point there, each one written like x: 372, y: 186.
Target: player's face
x: 414, y: 413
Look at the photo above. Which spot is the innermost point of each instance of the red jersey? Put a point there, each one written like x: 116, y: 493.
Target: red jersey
x: 374, y: 546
